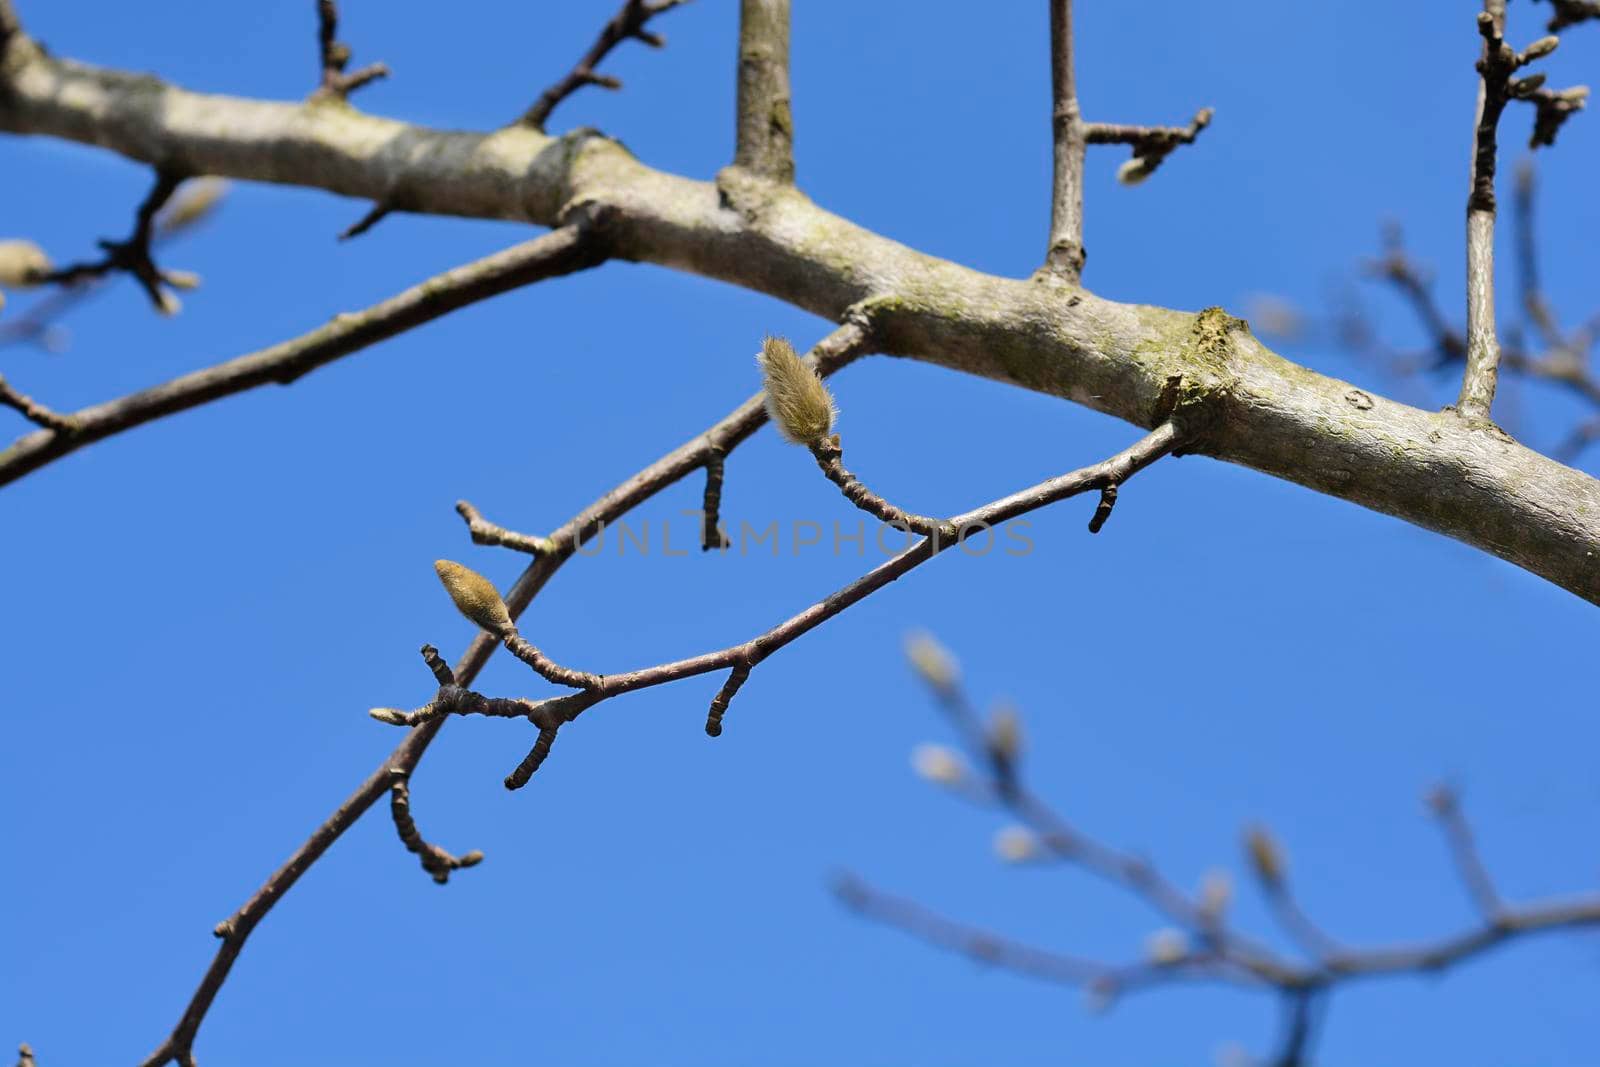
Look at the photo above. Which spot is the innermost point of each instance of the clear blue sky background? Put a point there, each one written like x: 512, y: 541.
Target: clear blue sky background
x: 198, y: 614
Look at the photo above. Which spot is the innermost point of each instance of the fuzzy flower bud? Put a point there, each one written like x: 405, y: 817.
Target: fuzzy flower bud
x: 1216, y: 893
x: 193, y: 205
x: 1265, y: 855
x: 1005, y: 733
x: 938, y: 764
x: 21, y: 262
x: 1016, y: 844
x: 931, y: 660
x: 1166, y: 947
x: 1133, y: 171
x: 797, y: 401
x: 1540, y: 48
x: 474, y: 596
x: 392, y: 716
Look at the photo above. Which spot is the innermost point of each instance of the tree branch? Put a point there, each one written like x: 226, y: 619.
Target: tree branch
x: 840, y: 347
x: 335, y: 56
x: 765, y: 130
x: 1066, y: 253
x: 1121, y: 359
x: 628, y: 23
x: 572, y: 248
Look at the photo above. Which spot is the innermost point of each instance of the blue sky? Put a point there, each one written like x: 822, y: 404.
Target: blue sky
x: 201, y: 611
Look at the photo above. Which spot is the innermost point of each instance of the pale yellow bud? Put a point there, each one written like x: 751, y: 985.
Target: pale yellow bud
x: 193, y: 204
x: 392, y: 716
x: 931, y: 660
x: 474, y: 596
x: 168, y: 304
x: 1216, y: 893
x: 1265, y: 855
x: 181, y: 279
x: 938, y: 764
x: 21, y: 263
x: 1166, y: 947
x: 1540, y: 48
x: 1016, y: 844
x: 797, y: 401
x: 1133, y: 171
x: 1005, y: 733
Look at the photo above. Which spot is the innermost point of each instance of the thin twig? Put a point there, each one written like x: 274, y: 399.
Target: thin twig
x: 1066, y: 253
x: 1445, y: 804
x: 1151, y: 144
x: 335, y: 57
x: 765, y: 129
x: 840, y: 347
x: 132, y: 256
x: 435, y: 860
x: 628, y: 23
x: 34, y: 411
x: 485, y: 532
x: 572, y: 248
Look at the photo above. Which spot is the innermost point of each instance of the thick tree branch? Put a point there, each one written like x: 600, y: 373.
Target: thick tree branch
x: 1126, y: 360
x: 765, y: 124
x: 563, y: 251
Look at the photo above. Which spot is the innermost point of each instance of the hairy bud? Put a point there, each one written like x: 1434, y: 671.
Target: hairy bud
x: 1216, y: 893
x: 932, y: 661
x: 1133, y: 171
x: 1265, y: 855
x: 1166, y: 947
x: 938, y: 764
x: 797, y: 401
x: 1540, y: 48
x: 21, y: 263
x: 392, y: 716
x: 474, y: 596
x: 194, y: 204
x: 1016, y: 844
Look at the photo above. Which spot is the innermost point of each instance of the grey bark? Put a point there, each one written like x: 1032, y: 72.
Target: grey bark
x: 1242, y: 402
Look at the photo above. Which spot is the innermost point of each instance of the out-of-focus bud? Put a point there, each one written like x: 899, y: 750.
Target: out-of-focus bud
x: 939, y: 764
x: 931, y: 660
x: 1266, y: 857
x: 1100, y: 995
x: 193, y: 204
x: 168, y: 304
x: 1016, y: 844
x: 1166, y: 947
x: 797, y: 401
x: 1523, y: 88
x: 1216, y: 893
x: 187, y: 280
x: 1005, y: 733
x: 21, y: 263
x: 474, y: 595
x: 1134, y: 171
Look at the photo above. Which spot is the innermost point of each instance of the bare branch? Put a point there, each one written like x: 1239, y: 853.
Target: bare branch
x: 1445, y: 803
x: 572, y: 248
x: 435, y: 860
x: 34, y: 411
x: 1066, y: 254
x: 628, y: 23
x: 711, y: 533
x: 1151, y: 144
x: 765, y: 130
x: 335, y: 57
x: 838, y: 349
x: 132, y: 256
x: 485, y: 532
x: 1572, y: 12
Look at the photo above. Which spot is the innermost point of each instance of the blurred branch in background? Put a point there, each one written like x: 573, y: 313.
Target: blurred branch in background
x: 1197, y: 941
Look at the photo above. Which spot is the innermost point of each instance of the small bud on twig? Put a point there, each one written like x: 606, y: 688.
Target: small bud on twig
x: 22, y: 263
x: 797, y: 401
x: 1540, y: 48
x: 1016, y: 844
x: 932, y: 661
x: 192, y: 205
x: 1216, y: 893
x: 1166, y: 947
x: 474, y: 595
x: 938, y: 764
x: 1265, y: 856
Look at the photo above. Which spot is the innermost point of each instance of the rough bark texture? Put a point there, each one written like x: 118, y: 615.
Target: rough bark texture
x: 1143, y: 364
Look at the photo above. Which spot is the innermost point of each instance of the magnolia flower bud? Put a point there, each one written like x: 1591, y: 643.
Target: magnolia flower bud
x: 181, y: 279
x: 1016, y: 844
x: 1540, y: 48
x: 21, y: 263
x: 938, y: 764
x: 193, y: 204
x: 1265, y: 855
x: 1133, y: 171
x: 392, y: 716
x: 1166, y: 947
x: 474, y: 596
x: 931, y: 660
x: 1216, y: 893
x: 797, y: 401
x: 1005, y: 733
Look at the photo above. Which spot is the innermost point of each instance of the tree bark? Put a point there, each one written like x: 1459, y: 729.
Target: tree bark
x: 1236, y: 399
